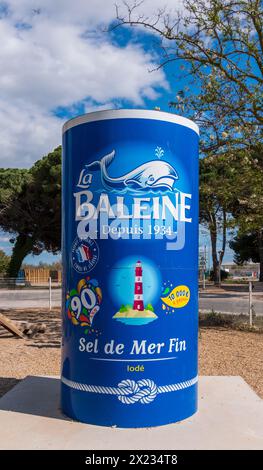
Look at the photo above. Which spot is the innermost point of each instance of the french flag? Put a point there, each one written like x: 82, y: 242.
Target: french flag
x: 83, y: 254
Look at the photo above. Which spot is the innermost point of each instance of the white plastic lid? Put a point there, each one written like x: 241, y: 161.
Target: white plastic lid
x: 130, y: 114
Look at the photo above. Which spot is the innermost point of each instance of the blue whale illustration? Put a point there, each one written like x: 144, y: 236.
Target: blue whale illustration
x: 155, y: 175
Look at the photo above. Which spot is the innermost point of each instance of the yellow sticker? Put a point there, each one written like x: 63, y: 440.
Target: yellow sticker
x: 178, y: 297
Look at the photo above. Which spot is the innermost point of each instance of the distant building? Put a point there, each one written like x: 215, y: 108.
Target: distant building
x: 38, y: 276
x: 246, y: 271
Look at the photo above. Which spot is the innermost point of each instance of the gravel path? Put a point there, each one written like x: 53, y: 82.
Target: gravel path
x: 229, y: 352
x: 221, y: 352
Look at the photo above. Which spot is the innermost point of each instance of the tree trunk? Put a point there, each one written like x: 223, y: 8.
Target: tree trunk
x: 217, y: 261
x: 22, y: 248
x: 260, y: 248
x: 222, y: 252
x: 213, y: 236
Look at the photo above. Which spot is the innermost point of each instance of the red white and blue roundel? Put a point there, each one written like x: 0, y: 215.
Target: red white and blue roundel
x: 84, y: 255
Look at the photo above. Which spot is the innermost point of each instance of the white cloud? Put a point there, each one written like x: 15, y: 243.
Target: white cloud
x: 48, y: 61
x: 26, y: 134
x: 89, y: 12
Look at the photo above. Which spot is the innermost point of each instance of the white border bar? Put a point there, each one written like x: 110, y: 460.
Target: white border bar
x: 130, y: 114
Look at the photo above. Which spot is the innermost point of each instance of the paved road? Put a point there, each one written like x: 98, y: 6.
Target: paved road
x: 231, y: 302
x: 29, y: 298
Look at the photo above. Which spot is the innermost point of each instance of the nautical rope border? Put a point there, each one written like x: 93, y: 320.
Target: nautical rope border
x: 128, y: 391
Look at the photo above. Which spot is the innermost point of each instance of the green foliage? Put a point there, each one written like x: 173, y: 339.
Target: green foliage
x: 218, y: 46
x: 231, y: 194
x: 4, y: 262
x: 222, y: 46
x: 123, y: 309
x: 246, y: 248
x: 33, y: 209
x: 247, y: 206
x: 214, y: 319
x: 247, y: 192
x: 215, y: 186
x: 215, y: 194
x: 12, y: 181
x: 149, y: 307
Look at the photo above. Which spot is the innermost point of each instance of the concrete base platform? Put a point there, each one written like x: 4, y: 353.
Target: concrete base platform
x: 230, y: 416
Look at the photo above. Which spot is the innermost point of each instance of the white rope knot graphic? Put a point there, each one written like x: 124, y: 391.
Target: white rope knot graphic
x: 143, y: 391
x: 128, y: 391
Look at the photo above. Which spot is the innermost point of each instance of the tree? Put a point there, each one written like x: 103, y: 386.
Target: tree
x: 216, y: 194
x: 245, y: 247
x: 4, y: 262
x: 247, y: 208
x: 219, y: 46
x: 12, y: 180
x: 11, y: 183
x: 231, y: 195
x: 33, y: 213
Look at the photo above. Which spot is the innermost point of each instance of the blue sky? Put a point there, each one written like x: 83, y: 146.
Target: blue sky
x: 57, y: 61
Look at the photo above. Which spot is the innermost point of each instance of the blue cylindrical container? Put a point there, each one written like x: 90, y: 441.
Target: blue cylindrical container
x: 130, y: 262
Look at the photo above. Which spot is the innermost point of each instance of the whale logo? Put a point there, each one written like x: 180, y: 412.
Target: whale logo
x: 154, y: 175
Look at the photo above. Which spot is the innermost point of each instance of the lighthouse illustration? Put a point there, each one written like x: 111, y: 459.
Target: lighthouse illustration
x: 136, y: 314
x: 138, y: 293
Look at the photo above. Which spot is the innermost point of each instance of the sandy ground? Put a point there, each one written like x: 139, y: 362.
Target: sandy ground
x: 221, y: 352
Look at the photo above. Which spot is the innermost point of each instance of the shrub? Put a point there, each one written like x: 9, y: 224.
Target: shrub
x: 149, y: 307
x: 215, y: 319
x: 123, y: 309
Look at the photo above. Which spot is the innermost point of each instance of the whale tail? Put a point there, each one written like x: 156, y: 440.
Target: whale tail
x: 103, y: 163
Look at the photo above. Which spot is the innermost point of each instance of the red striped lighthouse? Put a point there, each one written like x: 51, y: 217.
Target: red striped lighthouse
x: 138, y: 294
